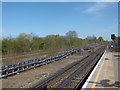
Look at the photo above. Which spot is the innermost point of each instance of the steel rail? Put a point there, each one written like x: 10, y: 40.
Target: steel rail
x: 59, y: 73
x: 44, y: 83
x: 83, y: 78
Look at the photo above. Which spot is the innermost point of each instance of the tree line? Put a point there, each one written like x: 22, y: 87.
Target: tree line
x: 31, y: 42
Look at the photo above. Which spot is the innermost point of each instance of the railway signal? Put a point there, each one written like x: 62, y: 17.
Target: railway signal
x: 113, y: 37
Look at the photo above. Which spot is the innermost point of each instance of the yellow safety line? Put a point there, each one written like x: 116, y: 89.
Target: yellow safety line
x: 98, y: 74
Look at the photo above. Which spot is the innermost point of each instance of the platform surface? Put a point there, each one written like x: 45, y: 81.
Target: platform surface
x: 105, y: 74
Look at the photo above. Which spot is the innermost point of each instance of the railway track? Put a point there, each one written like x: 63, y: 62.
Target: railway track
x: 74, y: 75
x: 13, y: 69
x: 77, y: 79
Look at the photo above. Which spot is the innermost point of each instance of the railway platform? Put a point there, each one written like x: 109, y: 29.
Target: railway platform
x: 105, y: 73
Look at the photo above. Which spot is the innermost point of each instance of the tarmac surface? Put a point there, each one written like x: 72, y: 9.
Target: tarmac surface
x: 106, y: 73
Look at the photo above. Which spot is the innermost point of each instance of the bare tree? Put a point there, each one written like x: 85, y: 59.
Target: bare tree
x: 72, y: 33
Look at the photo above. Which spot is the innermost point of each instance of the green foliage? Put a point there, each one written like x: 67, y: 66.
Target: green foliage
x: 101, y: 39
x: 117, y: 39
x: 37, y: 43
x: 0, y: 46
x: 31, y: 42
x: 52, y: 36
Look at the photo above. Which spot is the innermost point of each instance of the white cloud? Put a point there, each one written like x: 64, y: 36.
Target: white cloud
x: 96, y: 8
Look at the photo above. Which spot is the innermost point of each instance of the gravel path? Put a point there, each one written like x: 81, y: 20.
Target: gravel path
x: 31, y: 77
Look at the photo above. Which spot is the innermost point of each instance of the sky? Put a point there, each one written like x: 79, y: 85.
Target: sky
x: 46, y: 18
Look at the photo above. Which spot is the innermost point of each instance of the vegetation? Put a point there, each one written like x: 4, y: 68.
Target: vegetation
x: 101, y: 39
x: 31, y: 42
x: 72, y: 34
x: 117, y: 38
